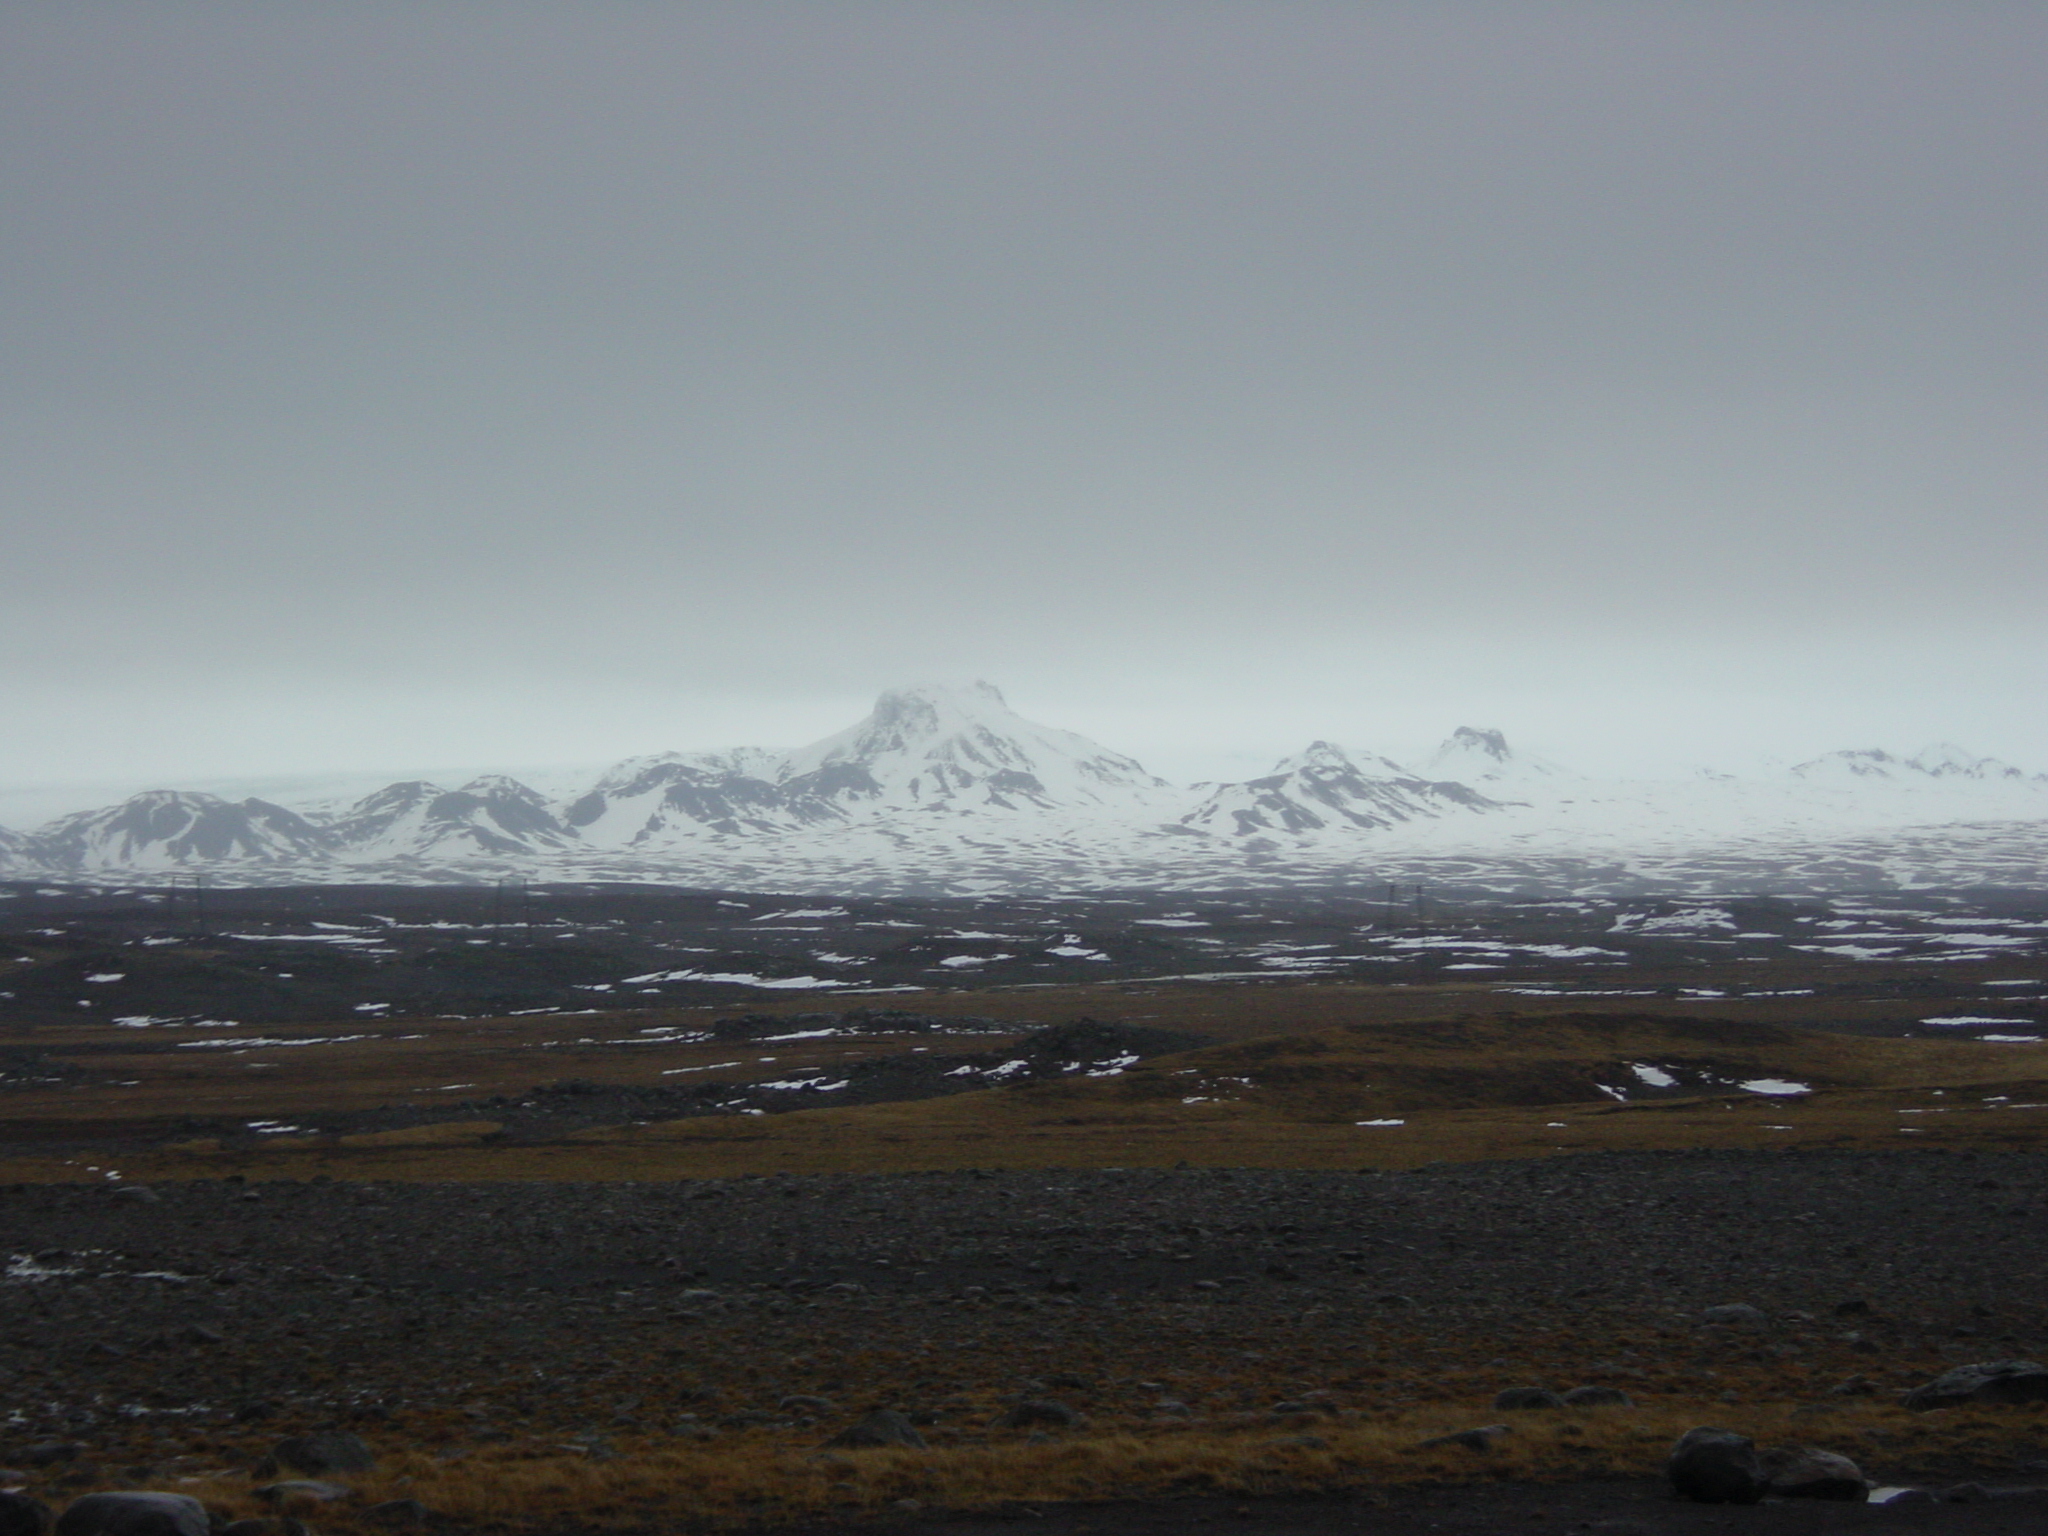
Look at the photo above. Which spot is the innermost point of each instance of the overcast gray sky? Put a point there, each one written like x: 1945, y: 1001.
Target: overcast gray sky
x: 399, y: 384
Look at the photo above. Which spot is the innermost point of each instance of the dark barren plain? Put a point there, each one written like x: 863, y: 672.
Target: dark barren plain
x: 606, y: 1208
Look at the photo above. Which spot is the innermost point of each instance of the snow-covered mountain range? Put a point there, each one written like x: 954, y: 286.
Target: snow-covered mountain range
x: 946, y: 789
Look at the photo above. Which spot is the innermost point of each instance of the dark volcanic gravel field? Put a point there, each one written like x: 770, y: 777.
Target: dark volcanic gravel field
x: 135, y: 1321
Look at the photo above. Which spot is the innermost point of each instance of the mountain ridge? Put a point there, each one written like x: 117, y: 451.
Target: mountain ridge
x: 949, y: 777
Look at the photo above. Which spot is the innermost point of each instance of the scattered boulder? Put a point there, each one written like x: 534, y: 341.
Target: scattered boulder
x: 134, y: 1514
x: 885, y: 1426
x: 1855, y: 1386
x: 1735, y: 1314
x: 1037, y: 1413
x: 1801, y: 1472
x: 1598, y: 1397
x: 2002, y: 1381
x: 1519, y: 1399
x: 21, y: 1515
x: 799, y: 1402
x: 1480, y: 1439
x: 1716, y: 1466
x: 326, y: 1451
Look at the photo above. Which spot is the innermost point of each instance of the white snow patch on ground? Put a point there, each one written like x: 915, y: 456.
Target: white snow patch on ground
x: 1774, y: 1087
x: 1656, y: 1077
x: 740, y: 979
x: 244, y: 1042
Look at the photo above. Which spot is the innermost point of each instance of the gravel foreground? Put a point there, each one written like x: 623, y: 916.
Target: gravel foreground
x: 145, y: 1334
x: 1629, y: 1508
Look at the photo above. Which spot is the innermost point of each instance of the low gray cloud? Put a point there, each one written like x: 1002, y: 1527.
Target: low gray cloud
x: 395, y: 385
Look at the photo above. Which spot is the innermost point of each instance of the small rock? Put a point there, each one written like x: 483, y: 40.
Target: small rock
x: 1598, y: 1397
x: 1294, y: 1409
x: 309, y: 1490
x: 1910, y: 1496
x: 1035, y: 1412
x: 885, y: 1426
x: 1523, y: 1398
x: 327, y: 1451
x: 1716, y: 1466
x: 1855, y: 1386
x: 800, y: 1403
x: 21, y: 1515
x: 1801, y: 1472
x: 1966, y: 1493
x: 2002, y: 1381
x: 137, y: 1194
x: 1735, y: 1314
x: 1480, y: 1439
x: 134, y: 1514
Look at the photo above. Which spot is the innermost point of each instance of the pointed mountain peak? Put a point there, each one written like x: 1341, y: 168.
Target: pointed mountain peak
x: 1329, y: 757
x: 496, y: 786
x: 954, y: 744
x: 929, y: 708
x: 1479, y: 743
x: 1472, y: 754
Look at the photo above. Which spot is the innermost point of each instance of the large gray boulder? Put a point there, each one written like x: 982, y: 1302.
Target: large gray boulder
x: 1716, y: 1466
x: 134, y: 1514
x: 2001, y: 1381
x: 1802, y: 1472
